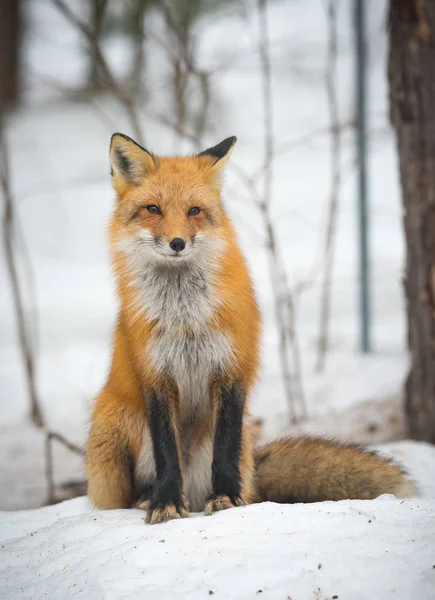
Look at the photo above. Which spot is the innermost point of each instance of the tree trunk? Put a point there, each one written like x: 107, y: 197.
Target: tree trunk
x: 10, y: 34
x: 412, y: 104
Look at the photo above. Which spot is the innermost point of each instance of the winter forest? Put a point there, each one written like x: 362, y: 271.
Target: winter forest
x: 330, y: 189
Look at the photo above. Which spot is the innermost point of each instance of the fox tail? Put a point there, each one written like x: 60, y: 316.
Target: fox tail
x: 307, y: 469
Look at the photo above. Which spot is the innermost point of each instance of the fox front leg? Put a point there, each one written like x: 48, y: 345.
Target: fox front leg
x: 231, y: 468
x: 167, y: 500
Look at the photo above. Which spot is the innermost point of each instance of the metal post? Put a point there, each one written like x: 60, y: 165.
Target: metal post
x: 364, y: 266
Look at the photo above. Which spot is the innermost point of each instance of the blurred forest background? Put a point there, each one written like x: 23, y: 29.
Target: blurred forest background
x: 178, y: 76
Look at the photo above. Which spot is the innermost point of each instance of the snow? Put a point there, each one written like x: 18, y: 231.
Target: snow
x: 352, y: 550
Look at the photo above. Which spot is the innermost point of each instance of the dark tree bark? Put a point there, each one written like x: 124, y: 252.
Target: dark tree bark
x: 10, y: 35
x: 412, y: 104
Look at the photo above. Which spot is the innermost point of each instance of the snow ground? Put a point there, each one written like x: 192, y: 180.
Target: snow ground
x: 349, y: 550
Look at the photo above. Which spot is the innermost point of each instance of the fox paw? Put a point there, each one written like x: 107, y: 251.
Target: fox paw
x: 143, y: 504
x: 165, y: 513
x: 222, y: 502
x: 159, y: 514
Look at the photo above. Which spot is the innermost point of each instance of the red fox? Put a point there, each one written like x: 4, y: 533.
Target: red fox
x: 170, y: 430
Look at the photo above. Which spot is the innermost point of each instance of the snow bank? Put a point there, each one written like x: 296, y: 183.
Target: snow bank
x: 346, y: 550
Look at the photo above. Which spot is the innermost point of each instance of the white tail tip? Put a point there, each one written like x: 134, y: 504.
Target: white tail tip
x: 406, y: 489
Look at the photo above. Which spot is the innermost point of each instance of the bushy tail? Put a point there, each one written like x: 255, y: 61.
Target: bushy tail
x: 313, y: 470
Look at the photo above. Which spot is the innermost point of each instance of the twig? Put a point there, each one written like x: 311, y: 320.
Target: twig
x: 49, y: 471
x: 49, y: 467
x: 164, y: 120
x: 264, y: 202
x: 136, y: 18
x: 301, y: 141
x: 18, y: 303
x: 281, y: 294
x: 25, y: 344
x: 267, y: 100
x: 331, y: 85
x: 284, y: 307
x: 98, y: 9
x: 62, y: 440
x: 204, y: 81
x: 184, y: 67
x: 100, y: 61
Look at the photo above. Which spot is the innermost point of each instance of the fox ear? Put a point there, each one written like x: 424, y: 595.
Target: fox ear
x: 221, y: 153
x: 129, y: 161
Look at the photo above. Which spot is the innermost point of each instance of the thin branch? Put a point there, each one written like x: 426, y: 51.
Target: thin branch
x: 70, y: 93
x: 25, y: 342
x: 182, y: 56
x: 49, y: 471
x: 23, y: 251
x: 49, y: 463
x: 70, y: 445
x: 182, y: 66
x: 181, y: 36
x: 106, y: 72
x: 204, y: 82
x: 284, y: 306
x: 301, y: 141
x: 98, y: 9
x: 136, y: 24
x: 166, y: 121
x: 331, y: 86
x: 247, y: 181
x: 267, y: 101
x: 18, y: 302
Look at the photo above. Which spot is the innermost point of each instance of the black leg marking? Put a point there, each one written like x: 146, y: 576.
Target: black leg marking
x: 227, y: 443
x: 143, y: 493
x: 167, y: 488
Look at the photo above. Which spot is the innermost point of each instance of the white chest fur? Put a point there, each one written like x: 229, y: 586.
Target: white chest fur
x: 185, y: 345
x: 190, y: 359
x: 177, y: 296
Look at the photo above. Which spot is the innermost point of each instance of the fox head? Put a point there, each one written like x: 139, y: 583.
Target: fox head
x: 169, y: 209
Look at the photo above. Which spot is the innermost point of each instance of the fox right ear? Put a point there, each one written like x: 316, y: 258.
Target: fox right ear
x: 220, y: 154
x: 130, y: 163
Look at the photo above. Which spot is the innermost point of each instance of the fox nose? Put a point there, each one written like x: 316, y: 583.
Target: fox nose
x: 177, y: 244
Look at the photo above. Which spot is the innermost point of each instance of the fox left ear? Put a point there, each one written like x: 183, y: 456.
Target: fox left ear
x: 221, y: 153
x: 130, y: 163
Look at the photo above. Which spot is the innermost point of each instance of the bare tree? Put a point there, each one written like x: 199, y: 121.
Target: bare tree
x: 335, y: 133
x: 24, y: 334
x: 283, y: 300
x: 24, y: 326
x: 412, y: 103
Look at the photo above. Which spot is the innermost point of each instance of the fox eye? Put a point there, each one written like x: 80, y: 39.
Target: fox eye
x: 195, y: 210
x: 153, y: 209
